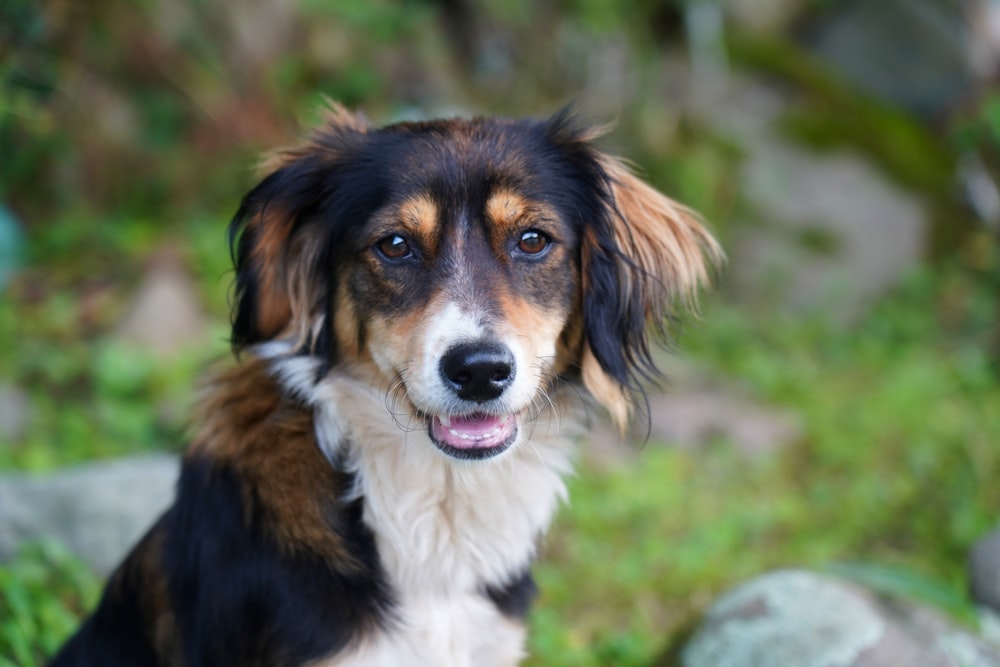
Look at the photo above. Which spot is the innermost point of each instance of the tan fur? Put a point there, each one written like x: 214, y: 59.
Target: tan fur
x: 672, y: 249
x: 247, y: 423
x: 419, y: 214
x: 670, y: 255
x: 346, y: 324
x: 284, y: 296
x: 336, y: 119
x: 509, y: 212
x: 506, y: 208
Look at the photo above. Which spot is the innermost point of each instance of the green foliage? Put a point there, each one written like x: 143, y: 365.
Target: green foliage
x: 90, y: 394
x: 28, y: 75
x: 982, y: 129
x: 43, y: 592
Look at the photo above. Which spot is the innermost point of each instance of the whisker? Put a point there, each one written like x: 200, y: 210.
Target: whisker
x: 395, y: 396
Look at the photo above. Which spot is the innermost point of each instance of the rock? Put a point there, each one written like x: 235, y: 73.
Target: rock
x: 822, y: 251
x: 98, y: 511
x: 15, y: 413
x: 802, y: 619
x: 925, y: 66
x: 984, y: 571
x: 830, y: 232
x: 165, y: 315
x: 989, y: 625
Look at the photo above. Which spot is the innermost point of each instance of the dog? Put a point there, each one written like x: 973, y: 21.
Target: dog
x: 422, y: 315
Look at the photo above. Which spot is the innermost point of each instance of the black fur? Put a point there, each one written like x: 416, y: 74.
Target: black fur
x: 117, y: 634
x: 248, y: 602
x: 237, y: 597
x: 515, y: 599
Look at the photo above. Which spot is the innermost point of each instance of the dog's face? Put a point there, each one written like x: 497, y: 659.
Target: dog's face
x: 469, y: 264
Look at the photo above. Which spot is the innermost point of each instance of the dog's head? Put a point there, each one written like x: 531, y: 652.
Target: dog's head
x: 469, y: 264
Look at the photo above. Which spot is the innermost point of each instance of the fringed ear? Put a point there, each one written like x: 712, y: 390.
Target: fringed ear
x: 275, y: 235
x: 647, y: 256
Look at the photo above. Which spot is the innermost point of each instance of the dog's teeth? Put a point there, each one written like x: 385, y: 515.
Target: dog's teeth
x: 445, y: 420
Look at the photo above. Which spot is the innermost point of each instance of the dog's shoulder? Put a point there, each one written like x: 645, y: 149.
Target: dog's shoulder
x: 264, y: 539
x: 259, y: 560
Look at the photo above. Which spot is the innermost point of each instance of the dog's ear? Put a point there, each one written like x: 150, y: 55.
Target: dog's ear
x: 647, y: 256
x: 276, y: 236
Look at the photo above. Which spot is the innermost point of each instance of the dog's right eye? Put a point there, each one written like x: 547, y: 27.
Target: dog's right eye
x: 394, y: 246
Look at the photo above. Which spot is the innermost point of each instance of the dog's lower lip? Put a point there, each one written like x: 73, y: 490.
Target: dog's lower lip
x: 475, y: 436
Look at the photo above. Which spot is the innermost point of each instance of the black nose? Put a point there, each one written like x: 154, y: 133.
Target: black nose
x: 478, y: 372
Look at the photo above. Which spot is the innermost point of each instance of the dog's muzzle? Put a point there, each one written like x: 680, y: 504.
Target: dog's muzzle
x: 476, y: 373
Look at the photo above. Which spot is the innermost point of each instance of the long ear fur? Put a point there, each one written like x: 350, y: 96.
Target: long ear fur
x: 276, y: 235
x: 655, y: 257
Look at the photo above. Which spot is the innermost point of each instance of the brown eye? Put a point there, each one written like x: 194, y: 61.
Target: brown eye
x: 394, y: 246
x: 533, y: 242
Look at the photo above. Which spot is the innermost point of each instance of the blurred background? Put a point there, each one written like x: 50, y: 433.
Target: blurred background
x: 836, y: 402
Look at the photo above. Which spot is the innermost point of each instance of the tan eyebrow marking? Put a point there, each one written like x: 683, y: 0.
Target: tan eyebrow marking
x: 505, y: 207
x: 419, y: 214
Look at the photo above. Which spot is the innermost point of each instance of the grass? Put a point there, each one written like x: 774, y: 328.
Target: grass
x: 895, y: 472
x: 44, y: 592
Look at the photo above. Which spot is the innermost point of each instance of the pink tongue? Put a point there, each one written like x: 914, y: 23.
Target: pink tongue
x: 474, y: 431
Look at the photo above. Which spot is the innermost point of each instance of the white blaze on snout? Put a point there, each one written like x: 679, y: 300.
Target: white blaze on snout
x: 447, y: 327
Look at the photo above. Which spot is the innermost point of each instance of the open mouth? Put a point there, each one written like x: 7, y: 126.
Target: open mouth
x: 475, y: 436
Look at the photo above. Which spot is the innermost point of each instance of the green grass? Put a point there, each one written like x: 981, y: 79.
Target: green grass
x: 43, y: 592
x: 895, y: 472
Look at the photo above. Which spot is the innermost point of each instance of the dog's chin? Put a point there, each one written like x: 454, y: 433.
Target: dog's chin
x: 474, y: 437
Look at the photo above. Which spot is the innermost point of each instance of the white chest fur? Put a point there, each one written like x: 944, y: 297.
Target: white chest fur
x: 445, y: 529
x: 457, y: 631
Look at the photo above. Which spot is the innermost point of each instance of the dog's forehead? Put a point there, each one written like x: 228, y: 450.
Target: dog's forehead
x: 465, y: 154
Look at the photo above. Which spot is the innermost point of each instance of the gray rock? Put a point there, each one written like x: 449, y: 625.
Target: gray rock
x: 989, y: 624
x: 831, y: 232
x: 838, y: 234
x: 801, y: 619
x: 98, y: 511
x: 984, y: 571
x: 15, y: 413
x: 914, y: 53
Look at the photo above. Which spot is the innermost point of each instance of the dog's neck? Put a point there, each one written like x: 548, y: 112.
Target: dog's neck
x: 442, y: 526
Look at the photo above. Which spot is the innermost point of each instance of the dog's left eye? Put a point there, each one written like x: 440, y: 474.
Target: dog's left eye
x: 394, y: 246
x: 533, y: 242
